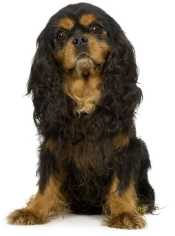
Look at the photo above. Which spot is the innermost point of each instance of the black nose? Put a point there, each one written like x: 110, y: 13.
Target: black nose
x: 79, y: 41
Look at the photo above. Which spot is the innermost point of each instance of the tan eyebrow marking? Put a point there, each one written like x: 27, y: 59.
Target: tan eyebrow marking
x: 87, y: 19
x: 66, y: 23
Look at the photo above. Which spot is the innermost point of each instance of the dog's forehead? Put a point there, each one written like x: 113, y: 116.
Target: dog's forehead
x: 87, y: 19
x: 68, y: 21
x: 82, y: 13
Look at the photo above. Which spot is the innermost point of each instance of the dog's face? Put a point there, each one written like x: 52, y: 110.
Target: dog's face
x: 81, y: 46
x: 81, y: 43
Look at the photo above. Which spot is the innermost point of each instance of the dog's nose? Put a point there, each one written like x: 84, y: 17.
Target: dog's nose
x: 80, y: 41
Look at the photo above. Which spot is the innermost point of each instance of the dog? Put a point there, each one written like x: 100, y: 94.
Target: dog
x: 84, y: 89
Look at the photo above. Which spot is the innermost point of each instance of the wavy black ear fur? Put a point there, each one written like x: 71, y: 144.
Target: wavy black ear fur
x: 122, y: 95
x: 46, y: 86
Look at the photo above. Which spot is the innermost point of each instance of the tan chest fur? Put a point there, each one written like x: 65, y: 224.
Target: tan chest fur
x: 86, y: 93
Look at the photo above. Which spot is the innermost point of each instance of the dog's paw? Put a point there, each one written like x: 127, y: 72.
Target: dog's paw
x: 24, y: 217
x: 126, y: 221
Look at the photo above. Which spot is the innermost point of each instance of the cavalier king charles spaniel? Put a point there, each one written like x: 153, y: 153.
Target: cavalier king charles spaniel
x: 84, y: 89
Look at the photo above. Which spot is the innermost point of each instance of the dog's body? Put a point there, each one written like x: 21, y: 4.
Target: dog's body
x: 84, y: 86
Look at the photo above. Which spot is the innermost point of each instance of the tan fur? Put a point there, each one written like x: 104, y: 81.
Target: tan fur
x: 121, y: 140
x: 87, y: 19
x: 67, y: 55
x: 86, y: 93
x: 121, y: 210
x: 41, y: 206
x: 118, y: 204
x: 65, y: 23
x: 98, y: 49
x: 126, y: 220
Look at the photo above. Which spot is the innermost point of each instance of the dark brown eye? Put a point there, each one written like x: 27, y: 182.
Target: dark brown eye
x: 95, y: 28
x: 61, y: 35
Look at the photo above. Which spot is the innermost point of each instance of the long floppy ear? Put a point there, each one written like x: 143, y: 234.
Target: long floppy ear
x: 45, y: 85
x: 122, y: 94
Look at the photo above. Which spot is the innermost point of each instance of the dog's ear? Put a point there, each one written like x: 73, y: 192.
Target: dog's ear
x: 46, y: 86
x: 120, y: 72
x: 121, y: 61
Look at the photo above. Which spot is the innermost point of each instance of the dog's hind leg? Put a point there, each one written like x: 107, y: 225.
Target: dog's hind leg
x: 145, y: 192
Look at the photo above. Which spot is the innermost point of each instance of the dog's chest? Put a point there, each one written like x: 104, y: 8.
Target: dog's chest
x: 87, y: 172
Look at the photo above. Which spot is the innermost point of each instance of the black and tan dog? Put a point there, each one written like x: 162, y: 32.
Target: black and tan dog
x: 84, y: 88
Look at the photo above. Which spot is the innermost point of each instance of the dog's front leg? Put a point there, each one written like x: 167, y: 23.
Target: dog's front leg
x: 121, y: 210
x: 43, y: 205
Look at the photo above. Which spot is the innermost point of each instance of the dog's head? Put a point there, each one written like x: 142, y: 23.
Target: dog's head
x: 83, y: 61
x: 81, y: 46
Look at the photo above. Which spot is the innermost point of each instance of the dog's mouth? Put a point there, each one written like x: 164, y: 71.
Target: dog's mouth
x: 84, y: 66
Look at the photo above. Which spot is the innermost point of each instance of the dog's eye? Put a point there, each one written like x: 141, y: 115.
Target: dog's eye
x: 61, y: 35
x: 96, y: 28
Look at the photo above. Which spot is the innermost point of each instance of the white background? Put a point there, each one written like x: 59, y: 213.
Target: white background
x: 150, y: 27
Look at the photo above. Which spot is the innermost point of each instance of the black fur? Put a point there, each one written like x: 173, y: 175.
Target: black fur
x: 87, y: 139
